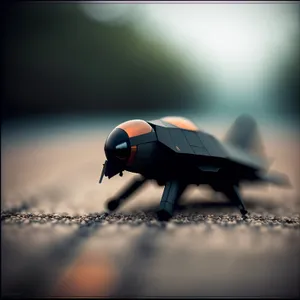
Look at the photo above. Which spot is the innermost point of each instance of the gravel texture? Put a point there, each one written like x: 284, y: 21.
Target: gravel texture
x: 58, y: 241
x: 135, y: 255
x: 225, y: 220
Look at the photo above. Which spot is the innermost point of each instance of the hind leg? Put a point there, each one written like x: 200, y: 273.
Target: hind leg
x: 233, y: 194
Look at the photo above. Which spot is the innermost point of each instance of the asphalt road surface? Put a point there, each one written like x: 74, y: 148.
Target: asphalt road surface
x: 57, y: 239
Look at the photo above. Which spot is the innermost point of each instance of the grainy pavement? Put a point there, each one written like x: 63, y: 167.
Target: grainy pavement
x: 58, y: 241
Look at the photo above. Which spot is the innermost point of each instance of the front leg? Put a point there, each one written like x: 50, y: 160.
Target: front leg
x: 133, y: 186
x: 172, y: 191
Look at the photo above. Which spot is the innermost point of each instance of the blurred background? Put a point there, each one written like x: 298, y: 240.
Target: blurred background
x: 74, y: 71
x: 159, y: 58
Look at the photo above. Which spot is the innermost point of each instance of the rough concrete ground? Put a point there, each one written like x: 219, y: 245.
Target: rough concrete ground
x: 57, y: 240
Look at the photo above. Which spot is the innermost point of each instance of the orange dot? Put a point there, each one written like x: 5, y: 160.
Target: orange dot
x: 88, y: 276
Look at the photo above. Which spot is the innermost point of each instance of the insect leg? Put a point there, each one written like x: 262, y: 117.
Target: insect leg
x: 172, y: 191
x: 134, y: 185
x: 233, y: 194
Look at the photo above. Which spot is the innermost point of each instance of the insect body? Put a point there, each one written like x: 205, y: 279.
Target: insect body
x: 173, y: 152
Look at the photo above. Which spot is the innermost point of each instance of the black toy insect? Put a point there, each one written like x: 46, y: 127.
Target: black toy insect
x: 173, y: 152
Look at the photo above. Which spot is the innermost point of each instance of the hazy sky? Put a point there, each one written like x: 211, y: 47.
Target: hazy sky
x: 241, y: 44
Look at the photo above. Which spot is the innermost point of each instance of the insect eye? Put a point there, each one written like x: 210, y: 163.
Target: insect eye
x: 121, y: 150
x: 122, y: 146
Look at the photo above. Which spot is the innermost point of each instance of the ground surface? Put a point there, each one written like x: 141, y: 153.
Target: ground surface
x: 58, y: 241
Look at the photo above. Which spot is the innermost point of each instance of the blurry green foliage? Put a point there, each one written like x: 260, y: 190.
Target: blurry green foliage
x: 56, y: 59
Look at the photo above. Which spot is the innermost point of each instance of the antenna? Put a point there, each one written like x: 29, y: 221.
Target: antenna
x: 103, y: 171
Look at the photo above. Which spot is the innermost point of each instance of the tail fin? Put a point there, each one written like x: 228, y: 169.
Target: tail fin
x: 244, y: 134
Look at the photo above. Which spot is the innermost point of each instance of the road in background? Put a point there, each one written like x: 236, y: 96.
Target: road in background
x: 57, y: 240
